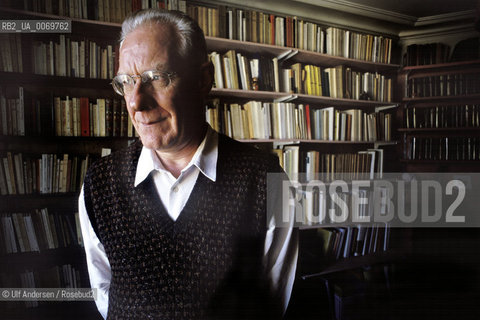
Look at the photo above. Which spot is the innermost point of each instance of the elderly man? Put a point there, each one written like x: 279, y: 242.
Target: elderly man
x: 175, y: 226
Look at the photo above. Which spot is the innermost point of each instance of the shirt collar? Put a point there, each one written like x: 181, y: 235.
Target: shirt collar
x: 205, y: 159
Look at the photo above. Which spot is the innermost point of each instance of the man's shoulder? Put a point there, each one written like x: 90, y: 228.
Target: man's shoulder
x: 125, y: 155
x: 241, y: 153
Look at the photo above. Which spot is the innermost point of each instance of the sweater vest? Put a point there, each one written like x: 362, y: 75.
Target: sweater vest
x: 207, y: 263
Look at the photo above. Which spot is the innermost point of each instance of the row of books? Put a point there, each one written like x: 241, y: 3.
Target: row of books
x: 38, y: 231
x: 444, y: 85
x: 233, y: 70
x: 42, y: 174
x: 66, y: 8
x: 50, y: 115
x: 104, y: 117
x: 451, y: 116
x: 284, y: 120
x: 448, y: 148
x: 327, y: 166
x: 359, y: 240
x: 69, y: 57
x: 59, y: 276
x: 267, y: 28
x: 12, y: 113
x: 239, y: 24
x: 11, y: 52
x: 425, y: 54
x: 346, y: 166
x: 103, y: 10
x: 338, y: 82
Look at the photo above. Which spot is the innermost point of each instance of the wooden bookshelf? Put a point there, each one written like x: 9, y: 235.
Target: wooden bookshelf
x: 297, y: 55
x: 465, y: 129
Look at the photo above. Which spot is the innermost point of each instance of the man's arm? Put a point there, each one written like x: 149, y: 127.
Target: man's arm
x: 281, y: 249
x: 97, y: 262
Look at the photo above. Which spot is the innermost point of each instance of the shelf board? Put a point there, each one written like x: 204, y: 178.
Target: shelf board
x: 306, y: 141
x: 26, y: 197
x: 308, y: 57
x: 433, y: 67
x: 284, y: 96
x: 450, y: 129
x: 96, y: 139
x: 62, y: 139
x: 248, y: 94
x: 443, y: 98
x: 53, y: 81
x: 59, y: 202
x: 45, y: 258
x: 439, y: 162
x: 358, y: 262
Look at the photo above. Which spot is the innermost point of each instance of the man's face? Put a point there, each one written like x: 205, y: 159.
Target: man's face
x: 163, y: 117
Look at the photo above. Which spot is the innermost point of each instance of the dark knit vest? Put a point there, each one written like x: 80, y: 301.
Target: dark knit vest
x: 207, y: 263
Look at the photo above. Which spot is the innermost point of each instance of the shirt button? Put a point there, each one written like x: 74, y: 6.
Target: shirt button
x: 175, y: 189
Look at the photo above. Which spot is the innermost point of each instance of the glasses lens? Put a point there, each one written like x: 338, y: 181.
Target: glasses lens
x: 155, y: 78
x: 123, y: 84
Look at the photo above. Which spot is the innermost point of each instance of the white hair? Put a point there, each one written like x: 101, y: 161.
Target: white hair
x: 191, y: 40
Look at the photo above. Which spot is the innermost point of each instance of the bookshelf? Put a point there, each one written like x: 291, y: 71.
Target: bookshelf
x: 440, y: 118
x: 105, y: 32
x: 52, y: 258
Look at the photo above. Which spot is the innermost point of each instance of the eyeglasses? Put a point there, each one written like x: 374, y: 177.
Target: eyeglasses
x: 124, y: 83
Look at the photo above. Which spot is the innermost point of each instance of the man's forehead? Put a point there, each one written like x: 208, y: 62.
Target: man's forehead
x: 142, y: 50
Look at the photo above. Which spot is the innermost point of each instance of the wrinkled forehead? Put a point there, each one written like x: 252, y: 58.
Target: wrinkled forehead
x: 150, y: 46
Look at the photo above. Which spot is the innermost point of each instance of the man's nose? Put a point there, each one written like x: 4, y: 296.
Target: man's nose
x: 138, y: 97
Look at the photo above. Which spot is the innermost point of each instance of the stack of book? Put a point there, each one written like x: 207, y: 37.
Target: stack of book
x: 425, y: 54
x: 12, y: 113
x: 451, y: 116
x: 447, y: 148
x: 11, y: 53
x: 44, y: 174
x: 66, y: 116
x: 70, y: 57
x: 443, y: 85
x: 284, y: 120
x: 267, y: 28
x: 326, y: 167
x: 357, y: 240
x: 235, y: 71
x: 39, y: 231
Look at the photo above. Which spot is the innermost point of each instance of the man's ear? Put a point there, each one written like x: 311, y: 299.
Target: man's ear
x: 206, y: 78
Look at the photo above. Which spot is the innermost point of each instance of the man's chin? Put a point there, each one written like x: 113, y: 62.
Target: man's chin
x: 159, y: 144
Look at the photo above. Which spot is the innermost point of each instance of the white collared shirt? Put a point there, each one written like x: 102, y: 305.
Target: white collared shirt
x: 281, y: 246
x: 174, y: 192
